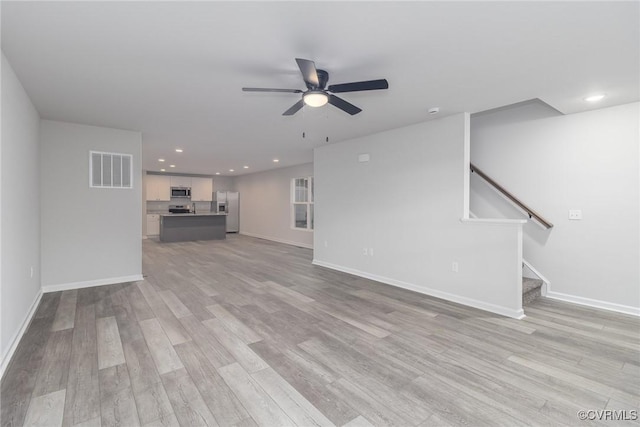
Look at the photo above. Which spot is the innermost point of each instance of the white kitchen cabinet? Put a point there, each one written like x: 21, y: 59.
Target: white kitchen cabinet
x: 201, y: 189
x: 181, y: 181
x: 153, y: 224
x: 158, y: 188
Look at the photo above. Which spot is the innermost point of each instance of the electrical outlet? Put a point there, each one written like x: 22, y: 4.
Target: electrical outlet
x: 454, y: 267
x: 575, y: 214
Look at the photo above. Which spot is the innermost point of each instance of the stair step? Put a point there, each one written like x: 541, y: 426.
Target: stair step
x: 531, y: 290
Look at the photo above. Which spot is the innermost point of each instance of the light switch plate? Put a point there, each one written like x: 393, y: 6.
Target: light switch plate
x: 363, y: 158
x: 575, y: 214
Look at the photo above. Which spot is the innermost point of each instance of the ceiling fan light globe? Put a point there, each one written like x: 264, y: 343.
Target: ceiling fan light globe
x: 315, y: 98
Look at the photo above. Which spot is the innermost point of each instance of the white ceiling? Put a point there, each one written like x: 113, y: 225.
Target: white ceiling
x: 174, y: 70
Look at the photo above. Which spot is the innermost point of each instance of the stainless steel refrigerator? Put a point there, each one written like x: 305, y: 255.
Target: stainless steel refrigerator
x: 228, y: 202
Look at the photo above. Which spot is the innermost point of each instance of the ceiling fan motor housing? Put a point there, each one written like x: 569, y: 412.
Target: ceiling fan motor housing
x: 323, y: 79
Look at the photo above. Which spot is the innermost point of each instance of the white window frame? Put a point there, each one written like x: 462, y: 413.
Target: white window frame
x: 309, y: 203
x: 102, y: 154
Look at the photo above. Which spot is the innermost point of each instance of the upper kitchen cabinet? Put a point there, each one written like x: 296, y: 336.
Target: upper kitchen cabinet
x: 158, y: 188
x: 181, y: 181
x: 201, y: 189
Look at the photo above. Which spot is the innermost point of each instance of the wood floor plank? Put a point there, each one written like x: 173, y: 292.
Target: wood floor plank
x: 142, y: 369
x: 162, y: 352
x: 48, y: 305
x: 21, y: 374
x: 82, y: 401
x: 119, y: 409
x: 53, y: 373
x: 93, y: 422
x: 114, y: 379
x: 234, y: 345
x: 222, y: 402
x: 153, y: 404
x: 66, y: 313
x: 309, y: 377
x: 206, y: 288
x: 299, y: 409
x: 46, y: 410
x: 234, y: 325
x: 361, y: 421
x: 110, y: 351
x: 169, y: 420
x: 257, y: 402
x: 364, y: 326
x: 289, y: 295
x: 211, y: 347
x: 151, y: 296
x: 139, y: 304
x: 175, y: 305
x: 172, y: 327
x: 188, y: 405
x: 358, y: 398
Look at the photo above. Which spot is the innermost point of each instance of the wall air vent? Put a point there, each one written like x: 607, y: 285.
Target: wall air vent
x: 110, y: 170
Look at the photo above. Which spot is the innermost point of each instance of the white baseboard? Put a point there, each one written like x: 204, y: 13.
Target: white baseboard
x: 604, y: 305
x: 18, y: 336
x: 91, y: 283
x: 275, y: 239
x: 503, y: 311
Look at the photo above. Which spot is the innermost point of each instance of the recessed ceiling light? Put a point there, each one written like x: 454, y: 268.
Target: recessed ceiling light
x: 161, y: 160
x: 230, y: 170
x: 178, y: 150
x: 594, y: 98
x: 162, y: 170
x: 172, y: 166
x: 275, y: 160
x: 246, y: 167
x: 217, y: 173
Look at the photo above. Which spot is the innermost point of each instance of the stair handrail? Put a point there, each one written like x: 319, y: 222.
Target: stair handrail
x: 532, y: 214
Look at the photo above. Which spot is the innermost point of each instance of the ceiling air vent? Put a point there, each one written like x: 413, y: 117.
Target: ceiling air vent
x: 110, y: 170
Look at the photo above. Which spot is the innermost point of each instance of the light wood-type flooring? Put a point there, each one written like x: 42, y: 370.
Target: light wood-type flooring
x: 247, y: 332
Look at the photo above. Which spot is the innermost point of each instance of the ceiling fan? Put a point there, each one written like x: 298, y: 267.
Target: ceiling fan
x: 317, y: 93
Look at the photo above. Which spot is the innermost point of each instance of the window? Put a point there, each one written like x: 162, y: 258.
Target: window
x: 302, y: 203
x: 110, y: 170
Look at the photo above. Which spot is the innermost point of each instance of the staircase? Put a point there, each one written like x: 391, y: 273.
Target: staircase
x: 531, y: 290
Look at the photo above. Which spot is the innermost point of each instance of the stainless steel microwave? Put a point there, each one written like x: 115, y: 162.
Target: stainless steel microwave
x: 183, y: 192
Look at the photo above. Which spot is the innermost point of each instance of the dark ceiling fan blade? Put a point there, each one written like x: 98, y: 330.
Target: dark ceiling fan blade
x: 359, y: 86
x: 309, y: 73
x: 265, y: 89
x: 343, y: 105
x: 297, y: 106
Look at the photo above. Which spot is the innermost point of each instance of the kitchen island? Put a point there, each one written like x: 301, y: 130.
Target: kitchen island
x: 188, y: 226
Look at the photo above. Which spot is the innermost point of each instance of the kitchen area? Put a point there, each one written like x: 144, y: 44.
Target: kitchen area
x: 187, y: 207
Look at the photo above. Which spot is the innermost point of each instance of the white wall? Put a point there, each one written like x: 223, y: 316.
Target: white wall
x: 89, y: 235
x: 587, y: 161
x: 20, y: 223
x: 265, y: 205
x: 406, y: 204
x: 223, y: 183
